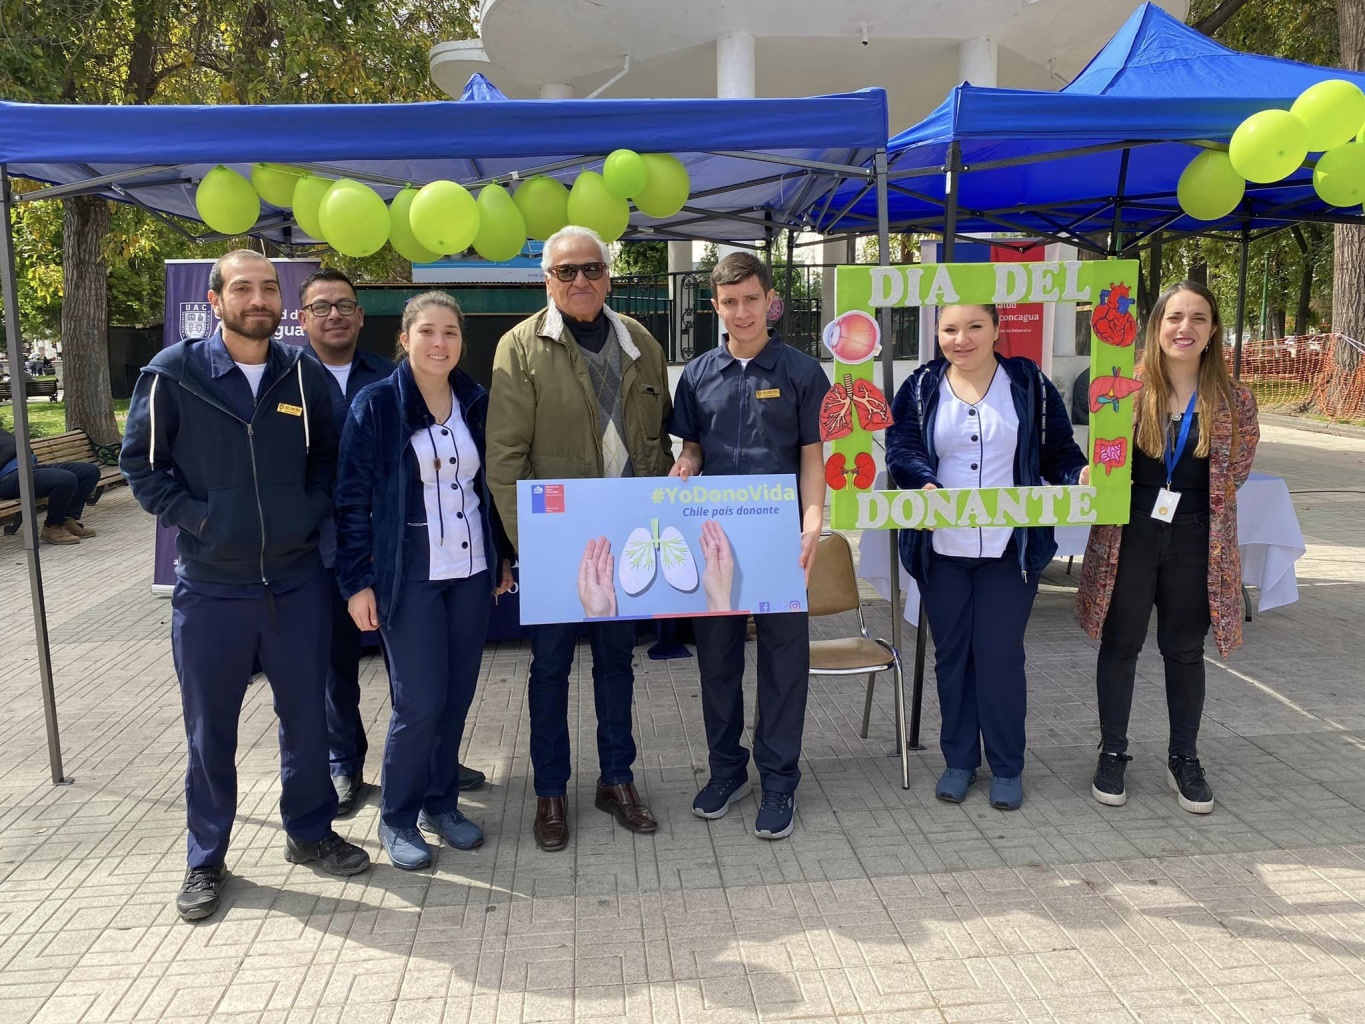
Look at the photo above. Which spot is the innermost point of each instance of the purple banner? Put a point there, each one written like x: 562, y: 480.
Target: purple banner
x: 189, y: 315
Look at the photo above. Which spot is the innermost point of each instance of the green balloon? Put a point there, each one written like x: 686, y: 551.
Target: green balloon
x: 1209, y: 187
x: 275, y: 183
x: 667, y: 189
x: 625, y: 173
x: 544, y: 206
x: 1331, y: 111
x: 308, y: 195
x: 400, y: 230
x: 1268, y: 146
x: 1339, y: 178
x: 444, y: 217
x: 226, y: 201
x: 354, y: 220
x: 592, y: 206
x: 502, y: 231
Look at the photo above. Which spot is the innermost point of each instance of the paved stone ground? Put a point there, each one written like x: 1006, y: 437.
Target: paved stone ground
x: 884, y: 906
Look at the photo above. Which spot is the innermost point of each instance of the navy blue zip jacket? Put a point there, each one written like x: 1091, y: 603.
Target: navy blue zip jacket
x: 1045, y: 451
x: 373, y: 484
x: 248, y: 486
x: 366, y: 369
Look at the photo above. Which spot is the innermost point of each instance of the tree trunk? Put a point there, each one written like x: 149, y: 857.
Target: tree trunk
x: 85, y: 319
x: 1348, y: 248
x: 1304, y: 311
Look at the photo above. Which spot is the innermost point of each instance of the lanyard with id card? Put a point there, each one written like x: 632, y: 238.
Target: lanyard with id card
x: 1167, y: 499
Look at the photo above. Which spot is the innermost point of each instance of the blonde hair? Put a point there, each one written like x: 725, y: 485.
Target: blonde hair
x: 423, y: 301
x: 1214, y: 384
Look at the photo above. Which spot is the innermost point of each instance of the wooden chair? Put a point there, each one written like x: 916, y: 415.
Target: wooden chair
x: 833, y: 589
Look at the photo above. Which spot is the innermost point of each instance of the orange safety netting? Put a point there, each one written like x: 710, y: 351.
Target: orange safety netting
x: 1320, y: 376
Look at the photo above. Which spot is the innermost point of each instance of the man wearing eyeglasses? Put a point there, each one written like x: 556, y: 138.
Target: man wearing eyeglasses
x: 578, y: 391
x: 332, y: 319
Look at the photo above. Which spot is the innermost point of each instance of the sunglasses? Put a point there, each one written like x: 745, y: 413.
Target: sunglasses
x: 566, y: 272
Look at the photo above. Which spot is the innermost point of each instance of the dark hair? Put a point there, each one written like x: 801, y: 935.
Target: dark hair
x: 989, y: 307
x: 420, y: 302
x: 740, y: 266
x: 325, y: 274
x: 216, y: 273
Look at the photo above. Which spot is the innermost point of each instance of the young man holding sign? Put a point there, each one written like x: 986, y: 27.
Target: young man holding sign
x: 752, y: 405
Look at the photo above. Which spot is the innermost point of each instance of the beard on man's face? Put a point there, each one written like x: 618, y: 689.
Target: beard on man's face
x: 257, y: 328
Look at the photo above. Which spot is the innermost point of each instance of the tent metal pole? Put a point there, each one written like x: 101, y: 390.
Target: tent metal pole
x: 1241, y: 304
x: 9, y: 285
x: 787, y: 290
x: 954, y: 171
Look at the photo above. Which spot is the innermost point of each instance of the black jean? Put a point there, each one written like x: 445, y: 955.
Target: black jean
x: 67, y: 486
x: 1166, y: 565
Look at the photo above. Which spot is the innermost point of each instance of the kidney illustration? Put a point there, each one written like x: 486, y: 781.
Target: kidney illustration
x: 853, y: 337
x: 648, y: 551
x: 839, y: 476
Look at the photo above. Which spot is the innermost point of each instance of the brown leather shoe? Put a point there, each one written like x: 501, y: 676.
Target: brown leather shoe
x: 625, y: 805
x: 75, y: 528
x: 57, y: 535
x: 552, y: 823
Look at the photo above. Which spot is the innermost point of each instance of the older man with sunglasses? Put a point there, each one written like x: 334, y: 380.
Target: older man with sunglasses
x: 578, y: 391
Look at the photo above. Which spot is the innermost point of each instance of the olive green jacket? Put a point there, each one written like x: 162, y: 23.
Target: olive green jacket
x: 543, y: 418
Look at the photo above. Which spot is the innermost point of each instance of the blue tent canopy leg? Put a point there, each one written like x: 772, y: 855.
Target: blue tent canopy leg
x: 10, y: 285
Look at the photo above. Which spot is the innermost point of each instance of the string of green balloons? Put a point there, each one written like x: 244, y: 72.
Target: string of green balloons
x: 1270, y: 145
x: 443, y: 217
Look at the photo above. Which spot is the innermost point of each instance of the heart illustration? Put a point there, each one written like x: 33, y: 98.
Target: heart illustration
x: 1112, y: 319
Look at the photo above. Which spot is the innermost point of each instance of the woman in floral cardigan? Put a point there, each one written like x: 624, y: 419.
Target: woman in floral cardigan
x: 1195, y: 436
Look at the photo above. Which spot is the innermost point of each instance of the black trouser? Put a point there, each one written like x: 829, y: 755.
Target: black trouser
x: 1166, y: 564
x: 783, y: 641
x: 67, y: 486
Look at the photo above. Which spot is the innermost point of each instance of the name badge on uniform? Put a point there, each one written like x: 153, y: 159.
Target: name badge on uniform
x: 289, y: 410
x: 1166, y: 501
x: 768, y: 393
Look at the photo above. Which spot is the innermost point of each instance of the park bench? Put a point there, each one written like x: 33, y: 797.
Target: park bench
x: 32, y: 389
x: 73, y: 446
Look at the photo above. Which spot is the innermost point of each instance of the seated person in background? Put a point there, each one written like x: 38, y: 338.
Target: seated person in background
x: 67, y: 486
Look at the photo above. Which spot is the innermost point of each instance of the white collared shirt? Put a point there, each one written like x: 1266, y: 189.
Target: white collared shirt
x: 448, y: 461
x: 976, y: 446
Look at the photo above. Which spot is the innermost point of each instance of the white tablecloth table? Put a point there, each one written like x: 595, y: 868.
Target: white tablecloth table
x: 1267, y: 533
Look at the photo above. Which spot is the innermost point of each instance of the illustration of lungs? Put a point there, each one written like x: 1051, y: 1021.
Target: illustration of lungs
x: 675, y: 558
x: 637, y: 568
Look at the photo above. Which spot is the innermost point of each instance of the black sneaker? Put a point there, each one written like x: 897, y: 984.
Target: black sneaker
x: 471, y: 778
x: 1107, y: 785
x: 332, y: 854
x: 1192, y: 790
x: 714, y: 799
x: 199, y: 894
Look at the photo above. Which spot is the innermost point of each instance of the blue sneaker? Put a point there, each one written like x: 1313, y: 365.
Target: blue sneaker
x: 452, y: 826
x: 405, y: 847
x: 717, y: 795
x: 1007, y: 794
x: 775, y: 813
x: 954, y: 783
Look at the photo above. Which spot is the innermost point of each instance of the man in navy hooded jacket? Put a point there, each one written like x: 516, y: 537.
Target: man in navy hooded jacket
x: 232, y: 439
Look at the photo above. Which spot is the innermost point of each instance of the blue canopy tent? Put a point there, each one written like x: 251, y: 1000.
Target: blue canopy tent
x: 1103, y: 155
x: 795, y: 152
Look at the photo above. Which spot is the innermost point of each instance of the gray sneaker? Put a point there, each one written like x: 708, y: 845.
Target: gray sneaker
x: 405, y: 847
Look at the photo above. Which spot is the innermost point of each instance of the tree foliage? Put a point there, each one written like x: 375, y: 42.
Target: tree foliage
x: 184, y: 51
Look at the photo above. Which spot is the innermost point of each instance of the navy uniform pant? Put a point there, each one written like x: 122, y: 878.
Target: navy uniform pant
x: 783, y: 685
x: 434, y: 645
x: 215, y: 641
x: 613, y: 688
x: 978, y: 609
x: 346, y: 742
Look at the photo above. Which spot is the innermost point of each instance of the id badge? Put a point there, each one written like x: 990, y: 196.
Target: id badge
x: 1166, y: 501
